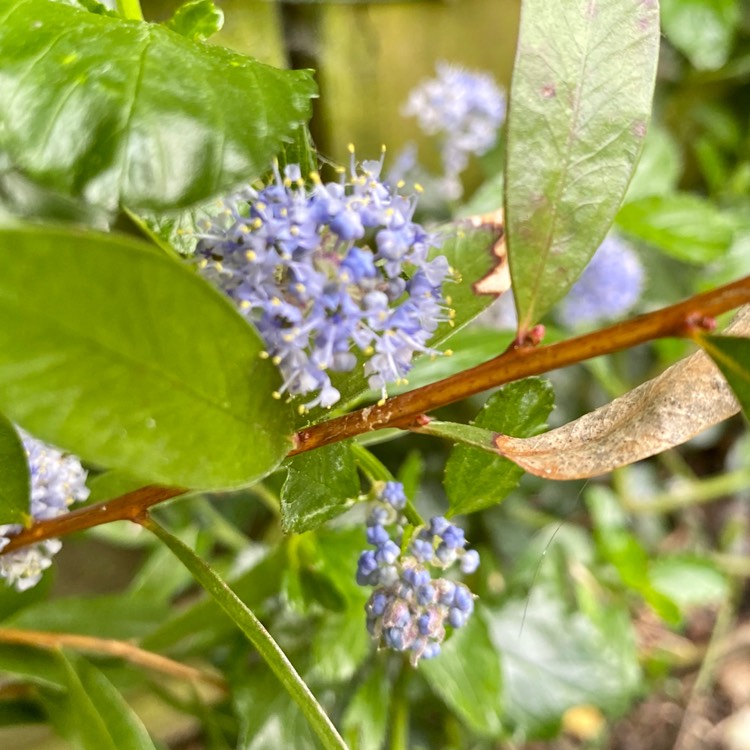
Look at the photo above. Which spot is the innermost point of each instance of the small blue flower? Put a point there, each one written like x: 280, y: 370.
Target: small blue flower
x: 288, y: 257
x: 610, y: 285
x: 57, y: 481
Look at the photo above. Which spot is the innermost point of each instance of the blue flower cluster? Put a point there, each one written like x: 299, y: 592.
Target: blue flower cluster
x: 409, y: 610
x: 57, y: 481
x: 465, y: 109
x: 289, y: 257
x: 609, y: 286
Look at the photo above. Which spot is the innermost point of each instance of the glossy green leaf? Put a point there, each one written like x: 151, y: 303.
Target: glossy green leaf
x: 580, y: 103
x: 552, y: 660
x: 684, y: 226
x: 319, y: 485
x: 702, y: 29
x: 475, y: 479
x: 93, y: 715
x: 179, y: 230
x: 15, y: 488
x: 125, y: 113
x: 128, y: 359
x: 197, y: 20
x: 110, y: 484
x: 732, y: 356
x: 467, y: 676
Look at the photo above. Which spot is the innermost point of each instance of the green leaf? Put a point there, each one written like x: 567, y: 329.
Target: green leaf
x: 366, y: 719
x: 732, y: 356
x: 621, y: 548
x: 197, y: 20
x: 580, y: 102
x: 684, y: 226
x: 111, y: 484
x: 339, y: 646
x: 475, y: 479
x: 15, y: 489
x: 20, y: 711
x: 659, y: 168
x: 32, y: 664
x: 702, y: 29
x: 128, y: 359
x: 689, y: 580
x: 410, y: 473
x: 552, y: 661
x: 123, y: 113
x: 269, y: 719
x: 204, y: 624
x: 93, y: 715
x: 319, y: 485
x: 467, y: 676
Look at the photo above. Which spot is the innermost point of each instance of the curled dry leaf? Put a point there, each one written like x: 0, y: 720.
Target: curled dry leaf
x: 684, y: 400
x: 497, y: 280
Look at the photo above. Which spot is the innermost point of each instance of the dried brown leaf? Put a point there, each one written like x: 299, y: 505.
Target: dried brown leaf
x: 497, y: 280
x: 684, y: 400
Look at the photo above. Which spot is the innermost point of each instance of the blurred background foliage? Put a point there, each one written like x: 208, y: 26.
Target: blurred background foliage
x: 616, y: 610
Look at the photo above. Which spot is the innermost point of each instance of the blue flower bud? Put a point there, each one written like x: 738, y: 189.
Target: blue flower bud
x: 457, y: 618
x: 469, y: 561
x: 387, y: 553
x: 463, y: 599
x: 393, y: 494
x: 377, y: 534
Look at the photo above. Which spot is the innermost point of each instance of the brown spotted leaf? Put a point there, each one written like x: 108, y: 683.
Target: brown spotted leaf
x: 580, y: 98
x: 686, y: 399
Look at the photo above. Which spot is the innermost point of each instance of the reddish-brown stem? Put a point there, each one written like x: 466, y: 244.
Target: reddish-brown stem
x: 521, y: 362
x: 124, y: 508
x: 404, y: 410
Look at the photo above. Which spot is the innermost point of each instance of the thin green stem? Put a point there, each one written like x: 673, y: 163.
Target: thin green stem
x: 130, y: 10
x: 376, y: 471
x: 691, y: 493
x: 251, y: 626
x: 400, y: 712
x: 706, y: 674
x: 466, y: 434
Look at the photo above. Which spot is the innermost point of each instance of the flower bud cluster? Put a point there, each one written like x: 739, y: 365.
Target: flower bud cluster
x: 609, y: 286
x: 327, y: 270
x: 409, y: 610
x: 465, y: 109
x: 57, y: 481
